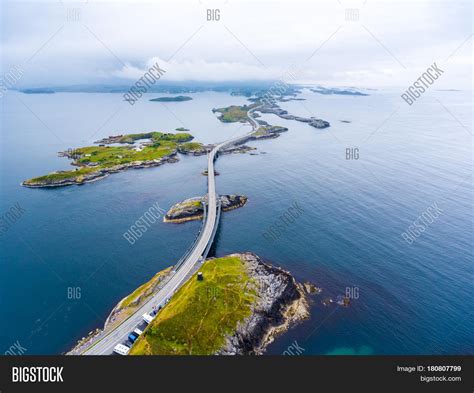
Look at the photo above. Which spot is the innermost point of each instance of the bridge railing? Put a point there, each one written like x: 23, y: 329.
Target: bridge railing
x: 196, y: 240
x: 218, y: 216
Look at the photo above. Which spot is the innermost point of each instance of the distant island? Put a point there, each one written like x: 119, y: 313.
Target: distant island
x: 344, y: 92
x: 172, y: 99
x: 39, y: 90
x: 236, y: 113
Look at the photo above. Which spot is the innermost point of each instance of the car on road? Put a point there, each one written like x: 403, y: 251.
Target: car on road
x: 132, y: 337
x: 121, y: 349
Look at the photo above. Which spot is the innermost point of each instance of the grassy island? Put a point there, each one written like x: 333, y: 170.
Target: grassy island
x: 192, y: 148
x: 94, y: 162
x: 171, y: 99
x: 201, y: 313
x: 154, y: 136
x: 234, y: 113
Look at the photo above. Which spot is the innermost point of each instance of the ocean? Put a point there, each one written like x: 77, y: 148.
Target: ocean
x: 360, y: 184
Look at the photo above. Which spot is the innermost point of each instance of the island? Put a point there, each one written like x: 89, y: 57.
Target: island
x: 237, y: 307
x: 38, y: 90
x: 96, y: 162
x: 344, y: 92
x: 193, y: 208
x: 171, y: 99
x: 198, y: 149
x: 273, y: 108
x: 234, y: 113
x: 194, y: 148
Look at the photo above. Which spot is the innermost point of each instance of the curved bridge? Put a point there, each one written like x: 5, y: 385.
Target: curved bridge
x: 104, y: 344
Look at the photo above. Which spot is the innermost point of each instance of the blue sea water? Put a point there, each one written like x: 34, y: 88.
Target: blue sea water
x: 412, y: 298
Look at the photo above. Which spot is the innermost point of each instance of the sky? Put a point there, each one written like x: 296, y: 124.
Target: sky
x: 335, y: 43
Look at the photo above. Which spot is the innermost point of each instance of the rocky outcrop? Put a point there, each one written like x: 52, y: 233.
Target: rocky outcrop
x: 276, y: 110
x: 281, y: 302
x: 193, y: 208
x: 234, y: 149
x: 99, y: 174
x: 113, y: 139
x: 194, y: 149
x: 267, y: 132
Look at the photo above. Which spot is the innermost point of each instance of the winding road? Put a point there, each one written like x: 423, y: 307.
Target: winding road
x: 104, y: 345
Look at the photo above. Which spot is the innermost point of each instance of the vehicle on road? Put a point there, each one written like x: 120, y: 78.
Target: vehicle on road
x: 121, y: 349
x: 147, y: 318
x: 138, y: 331
x: 132, y: 337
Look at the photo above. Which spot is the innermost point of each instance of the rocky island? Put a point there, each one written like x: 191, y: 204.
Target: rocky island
x: 193, y: 208
x: 172, y: 99
x: 238, y: 308
x: 199, y: 149
x: 96, y: 162
x: 276, y: 110
x: 344, y: 92
x: 235, y: 113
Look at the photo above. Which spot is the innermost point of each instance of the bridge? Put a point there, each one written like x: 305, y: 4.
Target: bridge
x: 188, y: 264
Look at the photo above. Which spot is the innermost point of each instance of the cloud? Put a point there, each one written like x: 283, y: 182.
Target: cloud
x: 202, y: 70
x: 114, y: 42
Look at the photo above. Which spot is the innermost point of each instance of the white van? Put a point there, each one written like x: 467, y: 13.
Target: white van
x: 137, y: 331
x: 121, y: 349
x: 147, y: 318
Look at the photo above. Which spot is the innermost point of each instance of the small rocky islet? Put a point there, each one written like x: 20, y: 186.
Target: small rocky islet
x: 193, y: 208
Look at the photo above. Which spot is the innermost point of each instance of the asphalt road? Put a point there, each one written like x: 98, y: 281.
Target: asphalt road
x: 105, y: 345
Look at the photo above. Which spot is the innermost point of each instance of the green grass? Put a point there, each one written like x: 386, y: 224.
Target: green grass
x: 53, y: 177
x: 193, y: 203
x: 109, y: 156
x: 201, y: 314
x: 157, y: 137
x: 234, y: 113
x: 141, y: 290
x: 191, y: 146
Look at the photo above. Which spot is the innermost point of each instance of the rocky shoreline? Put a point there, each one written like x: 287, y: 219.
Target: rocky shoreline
x: 101, y: 173
x: 281, y: 303
x: 193, y: 208
x: 204, y: 149
x: 276, y: 110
